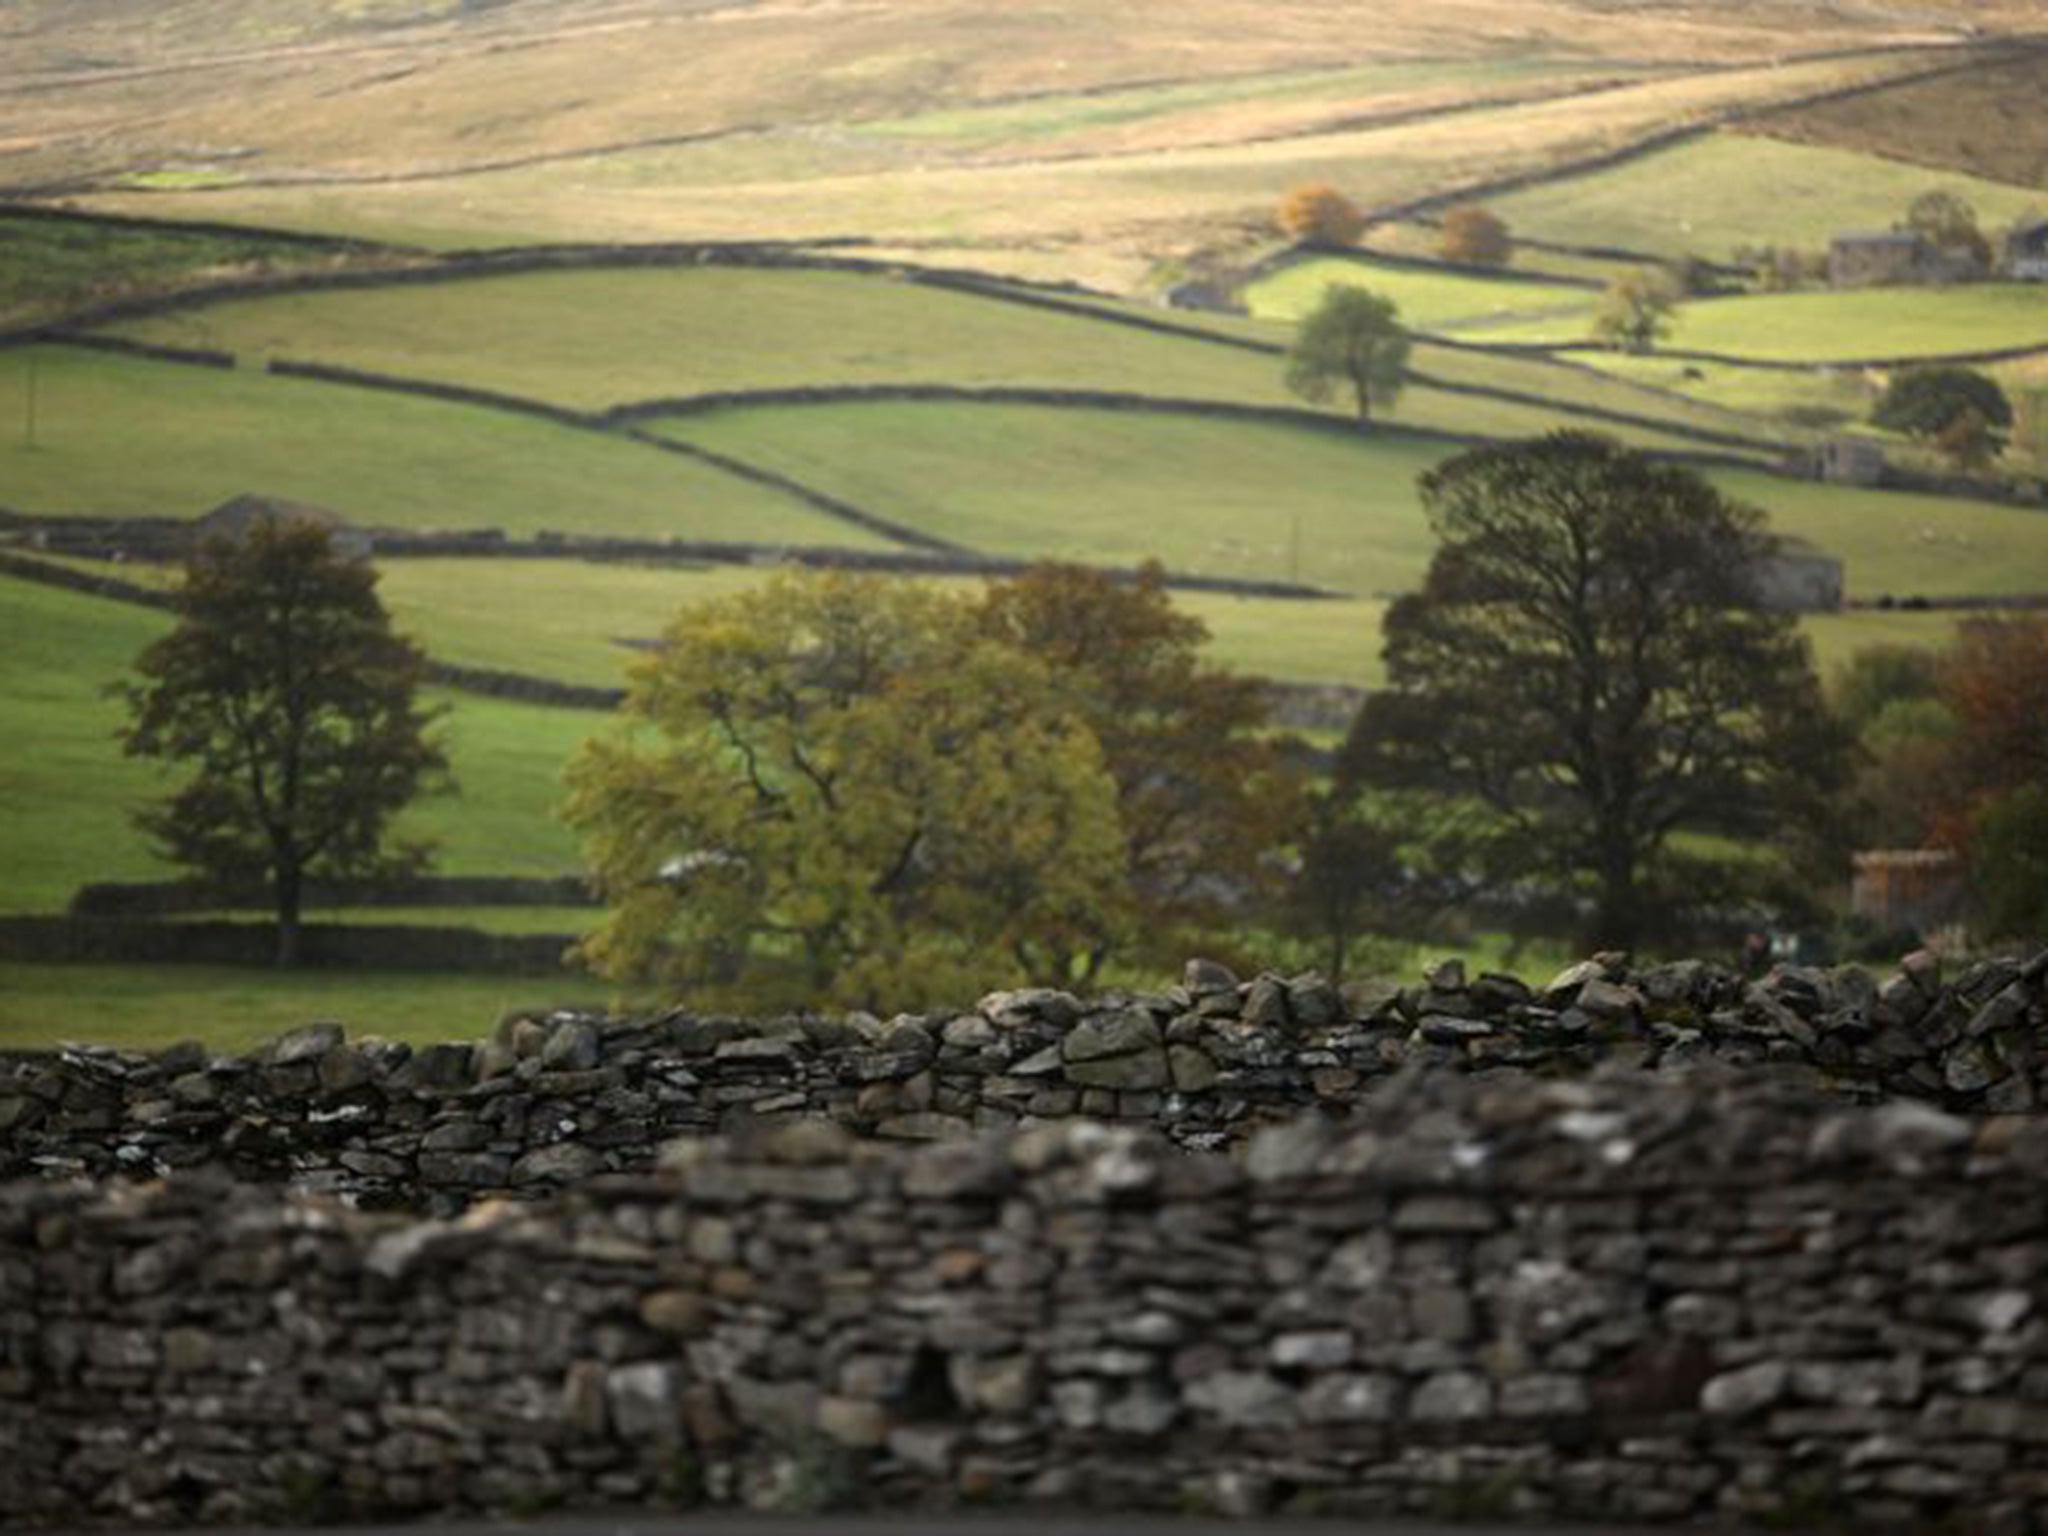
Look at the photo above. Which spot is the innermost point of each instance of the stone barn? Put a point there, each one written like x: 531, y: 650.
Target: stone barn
x: 234, y: 519
x: 2026, y: 251
x: 1877, y: 260
x: 1799, y: 579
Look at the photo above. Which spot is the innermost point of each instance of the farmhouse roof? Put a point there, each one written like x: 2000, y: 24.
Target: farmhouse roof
x: 239, y: 512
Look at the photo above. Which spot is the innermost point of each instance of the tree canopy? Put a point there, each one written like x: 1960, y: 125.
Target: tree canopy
x: 1352, y: 340
x: 847, y: 790
x: 1586, y: 672
x: 1203, y: 794
x: 285, y: 689
x: 1635, y: 311
x: 1475, y: 235
x: 1959, y: 410
x: 1318, y: 214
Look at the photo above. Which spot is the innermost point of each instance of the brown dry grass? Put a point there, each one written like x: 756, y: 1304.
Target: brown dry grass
x: 1106, y: 219
x: 1989, y: 122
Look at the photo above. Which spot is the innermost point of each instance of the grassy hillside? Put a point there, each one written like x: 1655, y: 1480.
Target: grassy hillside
x: 66, y: 791
x: 1101, y: 217
x: 1270, y: 501
x: 591, y: 340
x: 1224, y: 498
x: 129, y: 435
x: 1427, y: 301
x: 1712, y: 196
x: 1986, y: 122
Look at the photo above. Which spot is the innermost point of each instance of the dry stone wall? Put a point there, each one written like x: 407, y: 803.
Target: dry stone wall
x: 556, y: 1099
x: 1630, y: 1298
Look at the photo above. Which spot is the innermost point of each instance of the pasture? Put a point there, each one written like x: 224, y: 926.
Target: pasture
x: 66, y: 791
x: 1447, y: 301
x: 123, y: 435
x: 1715, y: 195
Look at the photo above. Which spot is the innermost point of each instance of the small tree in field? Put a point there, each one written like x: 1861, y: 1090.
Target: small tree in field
x: 1320, y: 215
x: 1959, y: 411
x: 1353, y: 341
x: 1635, y: 311
x: 285, y: 689
x: 1475, y: 236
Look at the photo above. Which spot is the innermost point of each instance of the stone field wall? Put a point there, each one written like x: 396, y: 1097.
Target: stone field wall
x: 1654, y: 1244
x: 554, y: 1100
x: 1631, y: 1298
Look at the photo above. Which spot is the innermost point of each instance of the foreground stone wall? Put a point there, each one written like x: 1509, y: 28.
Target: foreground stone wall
x: 553, y: 1100
x: 1628, y: 1298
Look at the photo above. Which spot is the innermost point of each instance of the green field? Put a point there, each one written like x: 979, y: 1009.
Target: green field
x: 1847, y: 393
x: 1412, y: 238
x: 134, y: 436
x: 596, y: 339
x: 1716, y: 195
x: 567, y: 619
x: 1224, y: 498
x: 1823, y: 325
x: 66, y: 791
x: 49, y: 265
x: 1427, y: 301
x: 147, y: 1007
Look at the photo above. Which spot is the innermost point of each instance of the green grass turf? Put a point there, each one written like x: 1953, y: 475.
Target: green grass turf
x: 1404, y: 238
x: 1823, y: 325
x: 596, y: 339
x: 1224, y: 498
x: 1712, y: 196
x: 148, y: 1007
x: 130, y: 435
x: 1426, y: 301
x: 48, y: 264
x: 1872, y: 322
x: 1904, y: 544
x: 1761, y: 392
x: 67, y: 792
x: 564, y: 618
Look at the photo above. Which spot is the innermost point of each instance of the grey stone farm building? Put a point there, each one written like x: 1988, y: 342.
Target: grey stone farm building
x: 2026, y: 251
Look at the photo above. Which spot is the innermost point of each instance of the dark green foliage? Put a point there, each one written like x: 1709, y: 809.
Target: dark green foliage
x: 1352, y: 340
x: 286, y: 691
x: 1585, y: 668
x: 1926, y: 402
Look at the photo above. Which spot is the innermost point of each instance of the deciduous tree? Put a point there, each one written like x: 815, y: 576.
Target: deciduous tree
x: 1960, y: 411
x: 845, y: 790
x: 1950, y: 226
x: 286, y: 691
x: 1586, y: 664
x: 1318, y: 214
x: 1635, y: 311
x: 1353, y: 341
x: 1476, y: 236
x: 1204, y: 795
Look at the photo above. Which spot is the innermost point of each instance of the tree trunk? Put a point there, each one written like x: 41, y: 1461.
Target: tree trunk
x: 1364, y: 393
x: 1617, y: 922
x: 290, y: 896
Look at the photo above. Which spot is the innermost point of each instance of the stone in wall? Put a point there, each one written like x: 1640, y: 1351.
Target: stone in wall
x: 1622, y: 1297
x: 550, y: 1100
